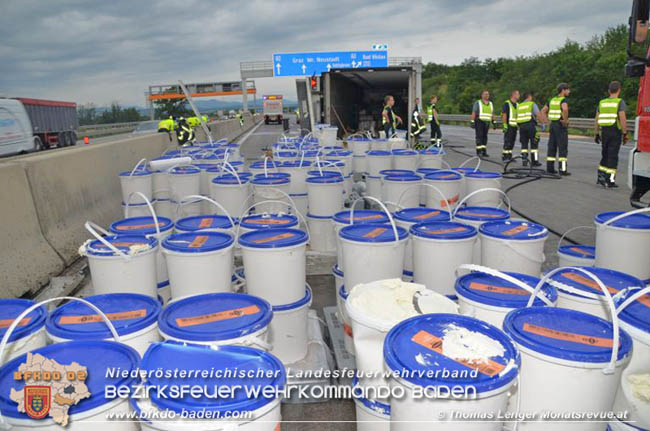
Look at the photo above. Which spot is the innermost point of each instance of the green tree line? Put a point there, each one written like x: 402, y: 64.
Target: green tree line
x: 588, y: 68
x: 89, y: 114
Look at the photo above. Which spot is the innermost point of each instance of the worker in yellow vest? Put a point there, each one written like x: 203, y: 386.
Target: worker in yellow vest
x: 434, y: 121
x: 611, y: 121
x: 557, y: 111
x: 528, y: 114
x: 389, y: 120
x: 509, y: 119
x: 482, y: 117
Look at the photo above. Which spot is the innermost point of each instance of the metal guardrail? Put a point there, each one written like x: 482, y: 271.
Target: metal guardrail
x: 96, y: 130
x: 574, y: 123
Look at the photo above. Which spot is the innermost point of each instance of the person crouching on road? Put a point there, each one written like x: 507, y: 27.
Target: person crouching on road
x: 483, y: 111
x: 184, y: 132
x: 611, y: 121
x: 509, y: 119
x: 389, y: 119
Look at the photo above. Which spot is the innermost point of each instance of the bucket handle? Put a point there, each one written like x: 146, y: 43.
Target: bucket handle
x: 524, y: 255
x: 288, y: 204
x: 215, y: 203
x: 226, y: 166
x: 146, y: 200
x: 487, y: 189
x: 559, y: 243
x: 151, y: 209
x: 611, y: 367
x: 381, y: 204
x: 629, y: 213
x: 328, y: 163
x: 91, y: 227
x: 252, y: 195
x: 266, y: 169
x: 444, y: 198
x: 478, y: 164
x: 135, y: 168
x: 506, y: 277
x: 631, y: 299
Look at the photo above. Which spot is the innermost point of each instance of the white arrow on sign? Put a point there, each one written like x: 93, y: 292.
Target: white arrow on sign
x: 304, y: 68
x: 278, y: 66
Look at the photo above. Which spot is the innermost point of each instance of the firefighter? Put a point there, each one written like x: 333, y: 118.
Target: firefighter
x: 389, y: 120
x: 417, y: 121
x: 434, y: 121
x: 509, y: 118
x: 528, y: 114
x: 557, y: 111
x: 168, y: 125
x: 240, y: 117
x: 483, y: 110
x: 612, y: 122
x: 184, y: 132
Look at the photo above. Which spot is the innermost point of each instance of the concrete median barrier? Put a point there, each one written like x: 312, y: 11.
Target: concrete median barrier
x: 26, y: 259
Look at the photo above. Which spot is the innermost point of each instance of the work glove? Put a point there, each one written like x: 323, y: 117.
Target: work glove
x: 597, y: 138
x: 472, y: 124
x: 625, y: 138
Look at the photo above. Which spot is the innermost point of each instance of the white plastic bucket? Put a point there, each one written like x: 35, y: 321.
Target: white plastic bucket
x: 134, y: 317
x: 378, y: 161
x: 302, y: 204
x: 401, y: 191
x: 186, y: 208
x: 218, y: 319
x: 359, y: 164
x: 405, y: 159
x: 325, y: 195
x: 482, y: 396
x: 380, y: 144
x: 231, y: 192
x: 423, y: 189
x: 322, y: 237
x: 298, y: 171
x: 515, y: 246
x: 206, y: 223
x: 372, y: 252
x: 137, y: 180
x: 266, y: 167
x: 576, y: 291
x: 199, y: 262
x: 489, y: 295
x: 266, y: 189
x: 160, y: 185
x: 623, y: 242
x: 136, y: 210
x: 163, y: 208
x: 576, y: 255
x: 449, y: 184
x: 439, y: 248
x: 476, y: 216
x: 243, y: 413
x: 431, y: 158
x: 397, y: 143
x: 122, y: 264
x: 348, y: 217
x: 272, y: 258
x: 183, y: 181
x: 373, y: 187
x: 409, y: 217
x: 359, y: 145
x: 288, y: 331
x: 344, y: 317
x: 567, y: 363
x: 328, y: 135
x: 479, y: 180
x: 267, y: 221
x: 372, y: 415
x: 30, y: 332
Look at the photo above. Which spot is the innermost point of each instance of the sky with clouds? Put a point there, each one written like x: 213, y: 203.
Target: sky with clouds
x: 102, y: 51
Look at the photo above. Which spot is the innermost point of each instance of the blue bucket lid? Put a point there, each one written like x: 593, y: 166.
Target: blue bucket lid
x: 361, y: 217
x: 129, y: 313
x: 260, y: 164
x: 445, y: 230
x: 270, y: 180
x: 136, y: 173
x: 512, y: 229
x: 329, y: 162
x: 340, y: 152
x: 420, y: 338
x: 358, y: 138
x: 273, y: 238
x: 312, y: 153
x: 325, y: 179
x: 336, y: 270
x: 296, y: 164
x: 443, y: 176
x: 269, y: 221
x: 121, y: 242
x: 482, y: 214
x: 565, y: 334
x: 197, y: 242
x: 97, y: 356
x: 636, y: 314
x: 207, y: 221
x: 421, y: 215
x: 372, y: 232
x: 577, y: 250
x: 230, y: 179
x: 404, y: 152
x: 324, y: 173
x: 138, y: 204
x: 482, y: 174
x: 318, y: 217
x: 634, y: 221
x: 402, y: 178
x: 205, y: 166
x: 425, y: 171
x: 303, y: 301
x: 184, y: 170
x: 11, y: 308
x: 273, y: 175
x: 144, y: 225
x: 215, y: 317
x: 495, y: 291
x: 342, y: 293
x: 380, y: 153
x: 287, y: 153
x: 170, y: 356
x: 396, y: 172
x: 615, y: 281
x: 432, y: 150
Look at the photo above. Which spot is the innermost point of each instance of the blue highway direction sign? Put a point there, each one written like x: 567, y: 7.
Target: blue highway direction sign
x: 309, y: 63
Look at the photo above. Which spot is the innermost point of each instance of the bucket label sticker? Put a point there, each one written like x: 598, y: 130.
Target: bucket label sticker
x: 588, y: 282
x: 581, y: 251
x: 568, y: 336
x: 452, y: 200
x: 118, y: 244
x: 375, y: 232
x: 199, y: 241
x: 452, y: 230
x: 368, y: 217
x: 431, y: 342
x: 5, y: 323
x: 268, y: 221
x: 447, y: 176
x: 96, y: 318
x: 474, y: 285
x: 516, y: 230
x: 140, y: 226
x: 205, y: 222
x: 184, y: 322
x: 475, y: 214
x: 347, y: 329
x: 427, y: 215
x: 275, y: 238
